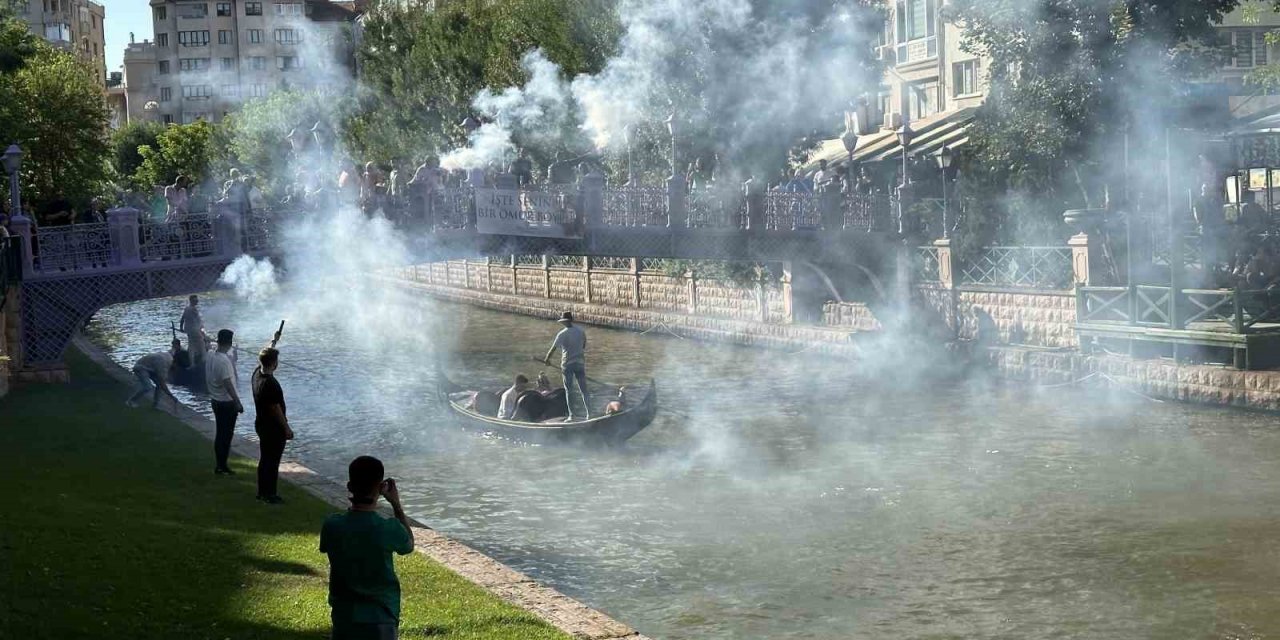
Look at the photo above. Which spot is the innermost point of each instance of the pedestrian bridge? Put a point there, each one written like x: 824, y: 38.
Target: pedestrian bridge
x: 65, y: 274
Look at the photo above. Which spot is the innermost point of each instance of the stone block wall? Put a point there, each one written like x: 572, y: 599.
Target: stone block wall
x: 530, y: 281
x: 613, y: 289
x: 664, y: 293
x: 850, y: 315
x: 567, y: 285
x: 1034, y: 317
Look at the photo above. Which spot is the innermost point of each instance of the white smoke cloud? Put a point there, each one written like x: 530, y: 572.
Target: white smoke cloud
x: 250, y: 278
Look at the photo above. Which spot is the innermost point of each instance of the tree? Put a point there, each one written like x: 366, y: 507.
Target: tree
x: 1073, y: 81
x: 256, y: 136
x: 53, y: 107
x: 125, y: 144
x: 179, y: 150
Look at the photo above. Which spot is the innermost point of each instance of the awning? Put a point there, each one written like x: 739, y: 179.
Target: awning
x: 929, y: 136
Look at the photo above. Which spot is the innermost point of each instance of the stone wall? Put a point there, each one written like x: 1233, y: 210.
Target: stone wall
x: 625, y: 288
x: 850, y: 315
x: 1033, y: 317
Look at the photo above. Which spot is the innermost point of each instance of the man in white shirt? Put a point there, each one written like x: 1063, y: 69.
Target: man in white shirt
x: 220, y: 377
x: 193, y: 325
x: 152, y: 372
x: 507, y: 406
x: 572, y: 343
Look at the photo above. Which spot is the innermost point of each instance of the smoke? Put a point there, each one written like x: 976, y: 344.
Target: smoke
x: 250, y: 278
x: 743, y: 79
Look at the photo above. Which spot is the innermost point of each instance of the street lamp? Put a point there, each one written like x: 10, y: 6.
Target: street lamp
x: 671, y: 129
x: 946, y: 162
x: 12, y: 163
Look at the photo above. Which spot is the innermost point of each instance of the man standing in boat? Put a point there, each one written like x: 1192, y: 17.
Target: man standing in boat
x: 193, y: 325
x: 572, y: 343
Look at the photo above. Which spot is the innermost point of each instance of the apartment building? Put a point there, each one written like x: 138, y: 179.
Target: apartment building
x: 208, y: 58
x: 1244, y: 35
x: 74, y: 25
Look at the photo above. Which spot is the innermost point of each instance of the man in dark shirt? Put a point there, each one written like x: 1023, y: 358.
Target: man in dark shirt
x: 271, y: 424
x: 364, y: 593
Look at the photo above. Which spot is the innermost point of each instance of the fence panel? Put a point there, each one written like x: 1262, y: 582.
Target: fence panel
x: 1102, y: 304
x: 863, y: 211
x: 784, y: 211
x: 636, y: 206
x: 1031, y: 267
x: 927, y: 265
x: 72, y: 247
x: 188, y: 236
x: 716, y: 209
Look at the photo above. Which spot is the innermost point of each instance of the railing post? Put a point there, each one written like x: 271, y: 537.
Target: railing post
x: 788, y: 300
x: 230, y: 231
x: 946, y: 263
x: 829, y: 201
x: 591, y: 188
x: 122, y: 228
x: 20, y: 226
x: 488, y: 274
x: 693, y: 291
x: 635, y: 281
x: 1085, y: 255
x: 753, y: 191
x: 586, y: 279
x: 546, y: 276
x: 1237, y: 310
x: 515, y: 277
x: 421, y: 204
x: 677, y: 204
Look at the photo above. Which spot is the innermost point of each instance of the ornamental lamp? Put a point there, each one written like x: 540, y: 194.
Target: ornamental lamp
x: 12, y: 159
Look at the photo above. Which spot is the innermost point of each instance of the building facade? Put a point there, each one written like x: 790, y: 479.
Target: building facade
x: 1244, y: 34
x: 208, y: 58
x: 73, y: 25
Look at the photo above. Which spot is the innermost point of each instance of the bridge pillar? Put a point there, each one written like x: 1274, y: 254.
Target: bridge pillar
x: 677, y: 213
x: 803, y: 294
x: 1086, y: 257
x: 829, y: 202
x: 230, y: 232
x: 20, y: 226
x: 591, y: 190
x: 946, y: 274
x: 122, y: 228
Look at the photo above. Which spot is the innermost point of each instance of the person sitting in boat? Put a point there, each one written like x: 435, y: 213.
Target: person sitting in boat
x: 507, y: 406
x: 617, y: 405
x: 181, y: 359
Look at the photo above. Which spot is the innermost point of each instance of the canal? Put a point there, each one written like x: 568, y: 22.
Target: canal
x: 779, y: 497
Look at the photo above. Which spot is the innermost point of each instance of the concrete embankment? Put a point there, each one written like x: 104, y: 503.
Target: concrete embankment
x: 561, y: 611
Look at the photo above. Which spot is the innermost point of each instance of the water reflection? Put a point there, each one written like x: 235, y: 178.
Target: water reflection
x: 793, y: 498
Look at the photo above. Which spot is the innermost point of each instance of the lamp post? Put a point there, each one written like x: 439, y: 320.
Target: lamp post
x: 671, y: 129
x: 946, y: 160
x: 626, y: 139
x: 12, y: 163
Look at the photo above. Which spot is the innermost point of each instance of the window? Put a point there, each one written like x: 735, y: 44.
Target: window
x: 922, y: 99
x: 189, y: 117
x: 1260, y: 48
x: 224, y: 36
x: 288, y: 8
x: 168, y: 119
x: 166, y: 94
x: 193, y: 38
x: 964, y: 78
x: 288, y: 63
x: 228, y: 64
x: 162, y: 67
x: 916, y: 22
x: 193, y: 64
x: 253, y: 8
x: 224, y: 9
x: 193, y: 11
x: 257, y: 63
x: 57, y: 32
x: 258, y: 90
x: 162, y: 39
x: 288, y: 36
x: 162, y: 13
x: 230, y: 91
x: 197, y: 92
x: 255, y: 35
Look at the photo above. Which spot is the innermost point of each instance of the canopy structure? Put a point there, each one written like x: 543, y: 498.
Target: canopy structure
x: 928, y: 137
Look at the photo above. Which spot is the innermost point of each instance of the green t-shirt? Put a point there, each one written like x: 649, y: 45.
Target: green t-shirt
x: 362, y: 577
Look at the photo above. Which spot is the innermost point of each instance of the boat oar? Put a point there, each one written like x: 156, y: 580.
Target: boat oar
x: 589, y: 378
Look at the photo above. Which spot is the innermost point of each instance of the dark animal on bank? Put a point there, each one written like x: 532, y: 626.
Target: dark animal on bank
x: 533, y: 406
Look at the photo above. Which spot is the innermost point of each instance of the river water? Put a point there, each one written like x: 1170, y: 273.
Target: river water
x: 798, y: 497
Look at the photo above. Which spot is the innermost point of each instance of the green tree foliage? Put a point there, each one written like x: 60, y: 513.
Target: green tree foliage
x: 423, y: 68
x: 179, y: 150
x: 1069, y: 79
x: 53, y: 107
x: 125, y: 144
x: 256, y: 136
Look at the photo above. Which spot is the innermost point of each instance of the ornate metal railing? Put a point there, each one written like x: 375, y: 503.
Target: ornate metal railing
x: 528, y: 259
x: 864, y: 212
x: 784, y: 211
x: 927, y: 264
x: 1033, y: 267
x: 259, y: 230
x: 451, y: 207
x: 716, y: 209
x: 610, y: 263
x: 564, y: 262
x: 190, y: 236
x: 71, y: 247
x: 636, y: 206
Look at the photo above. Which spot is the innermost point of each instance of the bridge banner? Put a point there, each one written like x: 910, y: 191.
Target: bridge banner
x: 513, y: 212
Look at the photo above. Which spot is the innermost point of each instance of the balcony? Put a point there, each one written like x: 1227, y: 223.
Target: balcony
x: 917, y: 50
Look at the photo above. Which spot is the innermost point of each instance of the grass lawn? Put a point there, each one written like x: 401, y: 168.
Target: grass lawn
x: 112, y: 525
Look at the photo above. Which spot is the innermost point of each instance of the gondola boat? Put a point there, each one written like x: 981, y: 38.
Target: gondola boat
x: 602, y: 430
